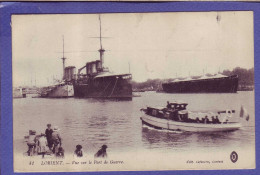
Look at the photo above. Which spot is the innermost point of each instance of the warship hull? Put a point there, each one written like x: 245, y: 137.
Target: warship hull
x: 103, y: 87
x: 59, y: 91
x: 214, y: 85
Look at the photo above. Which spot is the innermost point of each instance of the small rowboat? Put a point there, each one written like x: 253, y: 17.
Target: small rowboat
x: 176, y: 117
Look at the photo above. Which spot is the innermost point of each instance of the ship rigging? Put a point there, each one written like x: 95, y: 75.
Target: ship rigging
x: 99, y: 82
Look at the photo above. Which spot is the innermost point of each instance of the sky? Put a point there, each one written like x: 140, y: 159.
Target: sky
x: 153, y: 45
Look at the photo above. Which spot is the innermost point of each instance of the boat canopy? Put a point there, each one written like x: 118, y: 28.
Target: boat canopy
x: 179, y: 103
x: 158, y: 108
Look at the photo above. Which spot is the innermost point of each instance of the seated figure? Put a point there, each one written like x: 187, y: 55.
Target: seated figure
x: 78, y: 152
x: 213, y: 119
x: 217, y: 120
x: 102, y: 153
x: 206, y: 120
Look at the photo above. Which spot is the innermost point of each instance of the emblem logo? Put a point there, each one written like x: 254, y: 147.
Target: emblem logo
x: 233, y: 157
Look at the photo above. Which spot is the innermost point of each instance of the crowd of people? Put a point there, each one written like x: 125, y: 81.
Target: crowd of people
x: 214, y: 120
x: 50, y: 142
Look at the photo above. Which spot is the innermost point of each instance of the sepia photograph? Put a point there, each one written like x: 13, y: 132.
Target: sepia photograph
x: 133, y: 91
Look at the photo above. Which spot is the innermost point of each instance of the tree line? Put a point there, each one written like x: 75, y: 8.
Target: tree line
x: 245, y: 78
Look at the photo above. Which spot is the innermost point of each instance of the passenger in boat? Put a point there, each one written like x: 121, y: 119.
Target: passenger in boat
x: 56, y: 139
x: 226, y: 121
x: 217, y: 120
x: 185, y: 118
x: 102, y: 152
x: 197, y: 120
x: 206, y: 120
x: 48, y: 133
x: 179, y: 117
x: 42, y: 145
x: 190, y: 120
x: 78, y: 152
x: 175, y: 116
x: 213, y: 120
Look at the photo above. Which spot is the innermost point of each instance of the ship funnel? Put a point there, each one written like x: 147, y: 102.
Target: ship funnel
x: 63, y: 62
x: 101, y: 52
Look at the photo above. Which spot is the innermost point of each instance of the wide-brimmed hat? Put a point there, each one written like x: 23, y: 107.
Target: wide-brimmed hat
x: 56, y: 128
x: 48, y: 125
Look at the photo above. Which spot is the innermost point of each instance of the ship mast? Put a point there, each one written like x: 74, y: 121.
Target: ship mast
x: 101, y: 50
x: 63, y: 58
x: 129, y: 67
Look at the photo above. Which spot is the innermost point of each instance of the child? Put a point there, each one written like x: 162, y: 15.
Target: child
x: 60, y: 152
x: 43, y: 144
x: 78, y: 152
x: 31, y: 142
x: 102, y: 152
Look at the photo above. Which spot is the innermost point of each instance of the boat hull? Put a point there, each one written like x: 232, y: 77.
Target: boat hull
x: 218, y: 85
x: 60, y: 91
x: 191, y: 127
x: 109, y: 87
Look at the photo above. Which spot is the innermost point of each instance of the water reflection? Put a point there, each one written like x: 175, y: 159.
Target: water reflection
x: 156, y: 138
x: 216, y: 139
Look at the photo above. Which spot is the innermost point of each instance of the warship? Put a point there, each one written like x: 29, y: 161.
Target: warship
x: 63, y: 88
x: 205, y: 84
x: 99, y: 82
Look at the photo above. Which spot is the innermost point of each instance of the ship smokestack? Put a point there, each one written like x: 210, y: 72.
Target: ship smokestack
x: 63, y: 62
x: 101, y: 52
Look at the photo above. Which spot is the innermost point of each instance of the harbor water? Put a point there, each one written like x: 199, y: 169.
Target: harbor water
x: 94, y: 122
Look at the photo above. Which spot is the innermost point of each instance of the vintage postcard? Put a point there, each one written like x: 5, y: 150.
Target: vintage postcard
x: 144, y: 0
x: 133, y: 91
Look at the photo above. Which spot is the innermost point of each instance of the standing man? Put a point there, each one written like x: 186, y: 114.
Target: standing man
x: 48, y: 133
